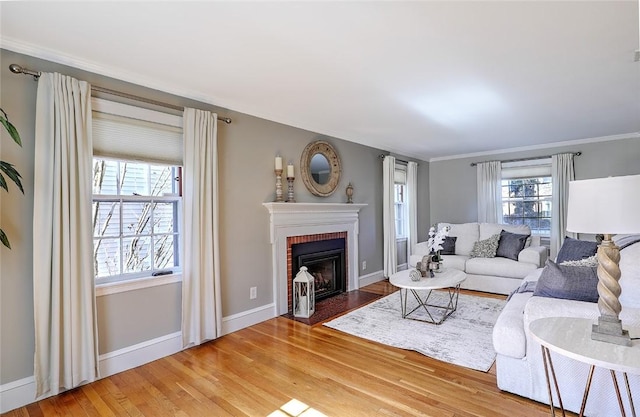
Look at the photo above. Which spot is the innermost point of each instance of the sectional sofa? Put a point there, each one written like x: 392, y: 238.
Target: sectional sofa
x: 498, y: 275
x: 520, y: 369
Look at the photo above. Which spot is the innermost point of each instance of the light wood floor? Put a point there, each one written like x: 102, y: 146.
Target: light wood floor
x: 257, y: 370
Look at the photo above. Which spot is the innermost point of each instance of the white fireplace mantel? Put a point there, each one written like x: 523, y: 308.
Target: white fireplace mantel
x: 299, y: 219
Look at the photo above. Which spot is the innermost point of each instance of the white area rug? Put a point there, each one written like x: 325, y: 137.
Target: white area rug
x: 463, y: 339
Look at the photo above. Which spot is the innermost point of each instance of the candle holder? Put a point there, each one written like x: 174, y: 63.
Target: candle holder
x: 279, y: 196
x: 290, y: 198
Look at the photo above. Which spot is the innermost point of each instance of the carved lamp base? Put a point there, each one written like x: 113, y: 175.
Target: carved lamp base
x: 609, y: 329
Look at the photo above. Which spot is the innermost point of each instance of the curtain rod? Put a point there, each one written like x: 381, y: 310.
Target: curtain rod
x: 525, y: 159
x: 17, y: 69
x: 382, y: 156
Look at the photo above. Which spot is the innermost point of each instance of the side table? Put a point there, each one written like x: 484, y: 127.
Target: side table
x: 571, y: 337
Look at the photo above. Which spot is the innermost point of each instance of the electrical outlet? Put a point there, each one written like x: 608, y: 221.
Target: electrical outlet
x: 364, y: 265
x: 253, y: 293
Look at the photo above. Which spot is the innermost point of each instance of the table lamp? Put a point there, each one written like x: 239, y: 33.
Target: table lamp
x: 606, y: 206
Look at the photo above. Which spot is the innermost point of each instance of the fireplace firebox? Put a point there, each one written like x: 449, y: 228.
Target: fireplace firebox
x: 325, y: 261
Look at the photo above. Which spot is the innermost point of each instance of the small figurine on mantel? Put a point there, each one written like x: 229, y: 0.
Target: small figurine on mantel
x: 350, y: 194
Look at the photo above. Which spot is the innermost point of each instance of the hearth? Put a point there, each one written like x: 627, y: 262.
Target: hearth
x: 325, y: 261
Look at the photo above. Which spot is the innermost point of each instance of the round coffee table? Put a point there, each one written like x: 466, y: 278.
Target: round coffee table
x: 448, y: 279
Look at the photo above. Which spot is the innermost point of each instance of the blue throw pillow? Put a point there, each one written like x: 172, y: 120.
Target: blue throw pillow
x: 510, y: 245
x: 568, y: 282
x: 574, y: 250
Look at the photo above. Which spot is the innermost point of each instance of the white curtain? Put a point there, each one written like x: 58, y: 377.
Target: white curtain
x: 388, y: 216
x: 489, y: 192
x: 201, y: 309
x: 412, y: 196
x: 561, y: 173
x: 66, y: 341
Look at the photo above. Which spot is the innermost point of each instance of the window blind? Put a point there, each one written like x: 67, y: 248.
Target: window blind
x: 400, y: 174
x: 527, y: 169
x: 131, y: 133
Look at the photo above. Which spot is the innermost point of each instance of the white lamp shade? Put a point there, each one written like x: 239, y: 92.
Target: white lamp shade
x: 604, y: 205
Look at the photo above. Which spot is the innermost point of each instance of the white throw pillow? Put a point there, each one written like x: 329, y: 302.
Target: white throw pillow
x: 630, y: 276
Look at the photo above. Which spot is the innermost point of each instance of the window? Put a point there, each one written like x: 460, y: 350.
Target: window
x: 136, y: 191
x: 400, y: 211
x: 528, y: 201
x: 400, y: 200
x: 136, y: 217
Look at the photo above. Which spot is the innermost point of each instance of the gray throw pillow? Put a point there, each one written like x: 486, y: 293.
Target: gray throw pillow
x: 568, y: 282
x: 510, y: 245
x: 574, y: 250
x: 449, y: 246
x: 485, y: 248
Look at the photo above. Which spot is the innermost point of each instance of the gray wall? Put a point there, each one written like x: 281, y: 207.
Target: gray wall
x: 453, y: 182
x: 246, y: 153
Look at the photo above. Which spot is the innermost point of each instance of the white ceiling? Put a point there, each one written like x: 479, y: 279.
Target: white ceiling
x: 422, y: 79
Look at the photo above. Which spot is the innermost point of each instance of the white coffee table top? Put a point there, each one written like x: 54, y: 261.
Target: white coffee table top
x: 445, y: 279
x: 571, y: 337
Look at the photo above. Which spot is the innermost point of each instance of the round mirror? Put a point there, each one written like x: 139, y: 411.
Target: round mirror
x: 320, y: 168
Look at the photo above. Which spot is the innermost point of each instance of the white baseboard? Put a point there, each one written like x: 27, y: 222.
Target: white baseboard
x: 248, y: 318
x: 17, y: 394
x: 148, y: 351
x: 23, y: 391
x: 371, y: 278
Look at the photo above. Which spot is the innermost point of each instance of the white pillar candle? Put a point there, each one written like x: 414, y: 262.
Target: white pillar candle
x: 278, y: 162
x: 290, y: 170
x: 302, y: 305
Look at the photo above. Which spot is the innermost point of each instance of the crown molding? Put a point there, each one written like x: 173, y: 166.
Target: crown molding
x: 141, y: 80
x: 61, y: 58
x: 632, y: 135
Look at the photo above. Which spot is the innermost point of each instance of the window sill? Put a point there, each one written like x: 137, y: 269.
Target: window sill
x: 136, y: 284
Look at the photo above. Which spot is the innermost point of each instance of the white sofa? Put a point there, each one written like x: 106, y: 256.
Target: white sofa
x: 520, y: 369
x: 497, y: 275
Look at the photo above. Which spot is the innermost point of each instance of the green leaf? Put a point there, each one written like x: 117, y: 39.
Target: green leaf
x: 3, y: 183
x: 13, y: 132
x: 11, y: 172
x: 4, y: 239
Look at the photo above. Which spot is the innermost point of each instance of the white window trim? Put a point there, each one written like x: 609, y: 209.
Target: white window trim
x: 117, y: 287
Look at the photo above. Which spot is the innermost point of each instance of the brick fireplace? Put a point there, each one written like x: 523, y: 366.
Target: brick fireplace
x: 325, y: 251
x: 300, y: 222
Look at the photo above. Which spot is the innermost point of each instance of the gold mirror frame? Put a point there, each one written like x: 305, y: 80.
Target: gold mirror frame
x: 325, y: 149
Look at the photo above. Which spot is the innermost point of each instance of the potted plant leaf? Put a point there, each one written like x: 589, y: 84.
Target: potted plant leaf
x: 7, y: 169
